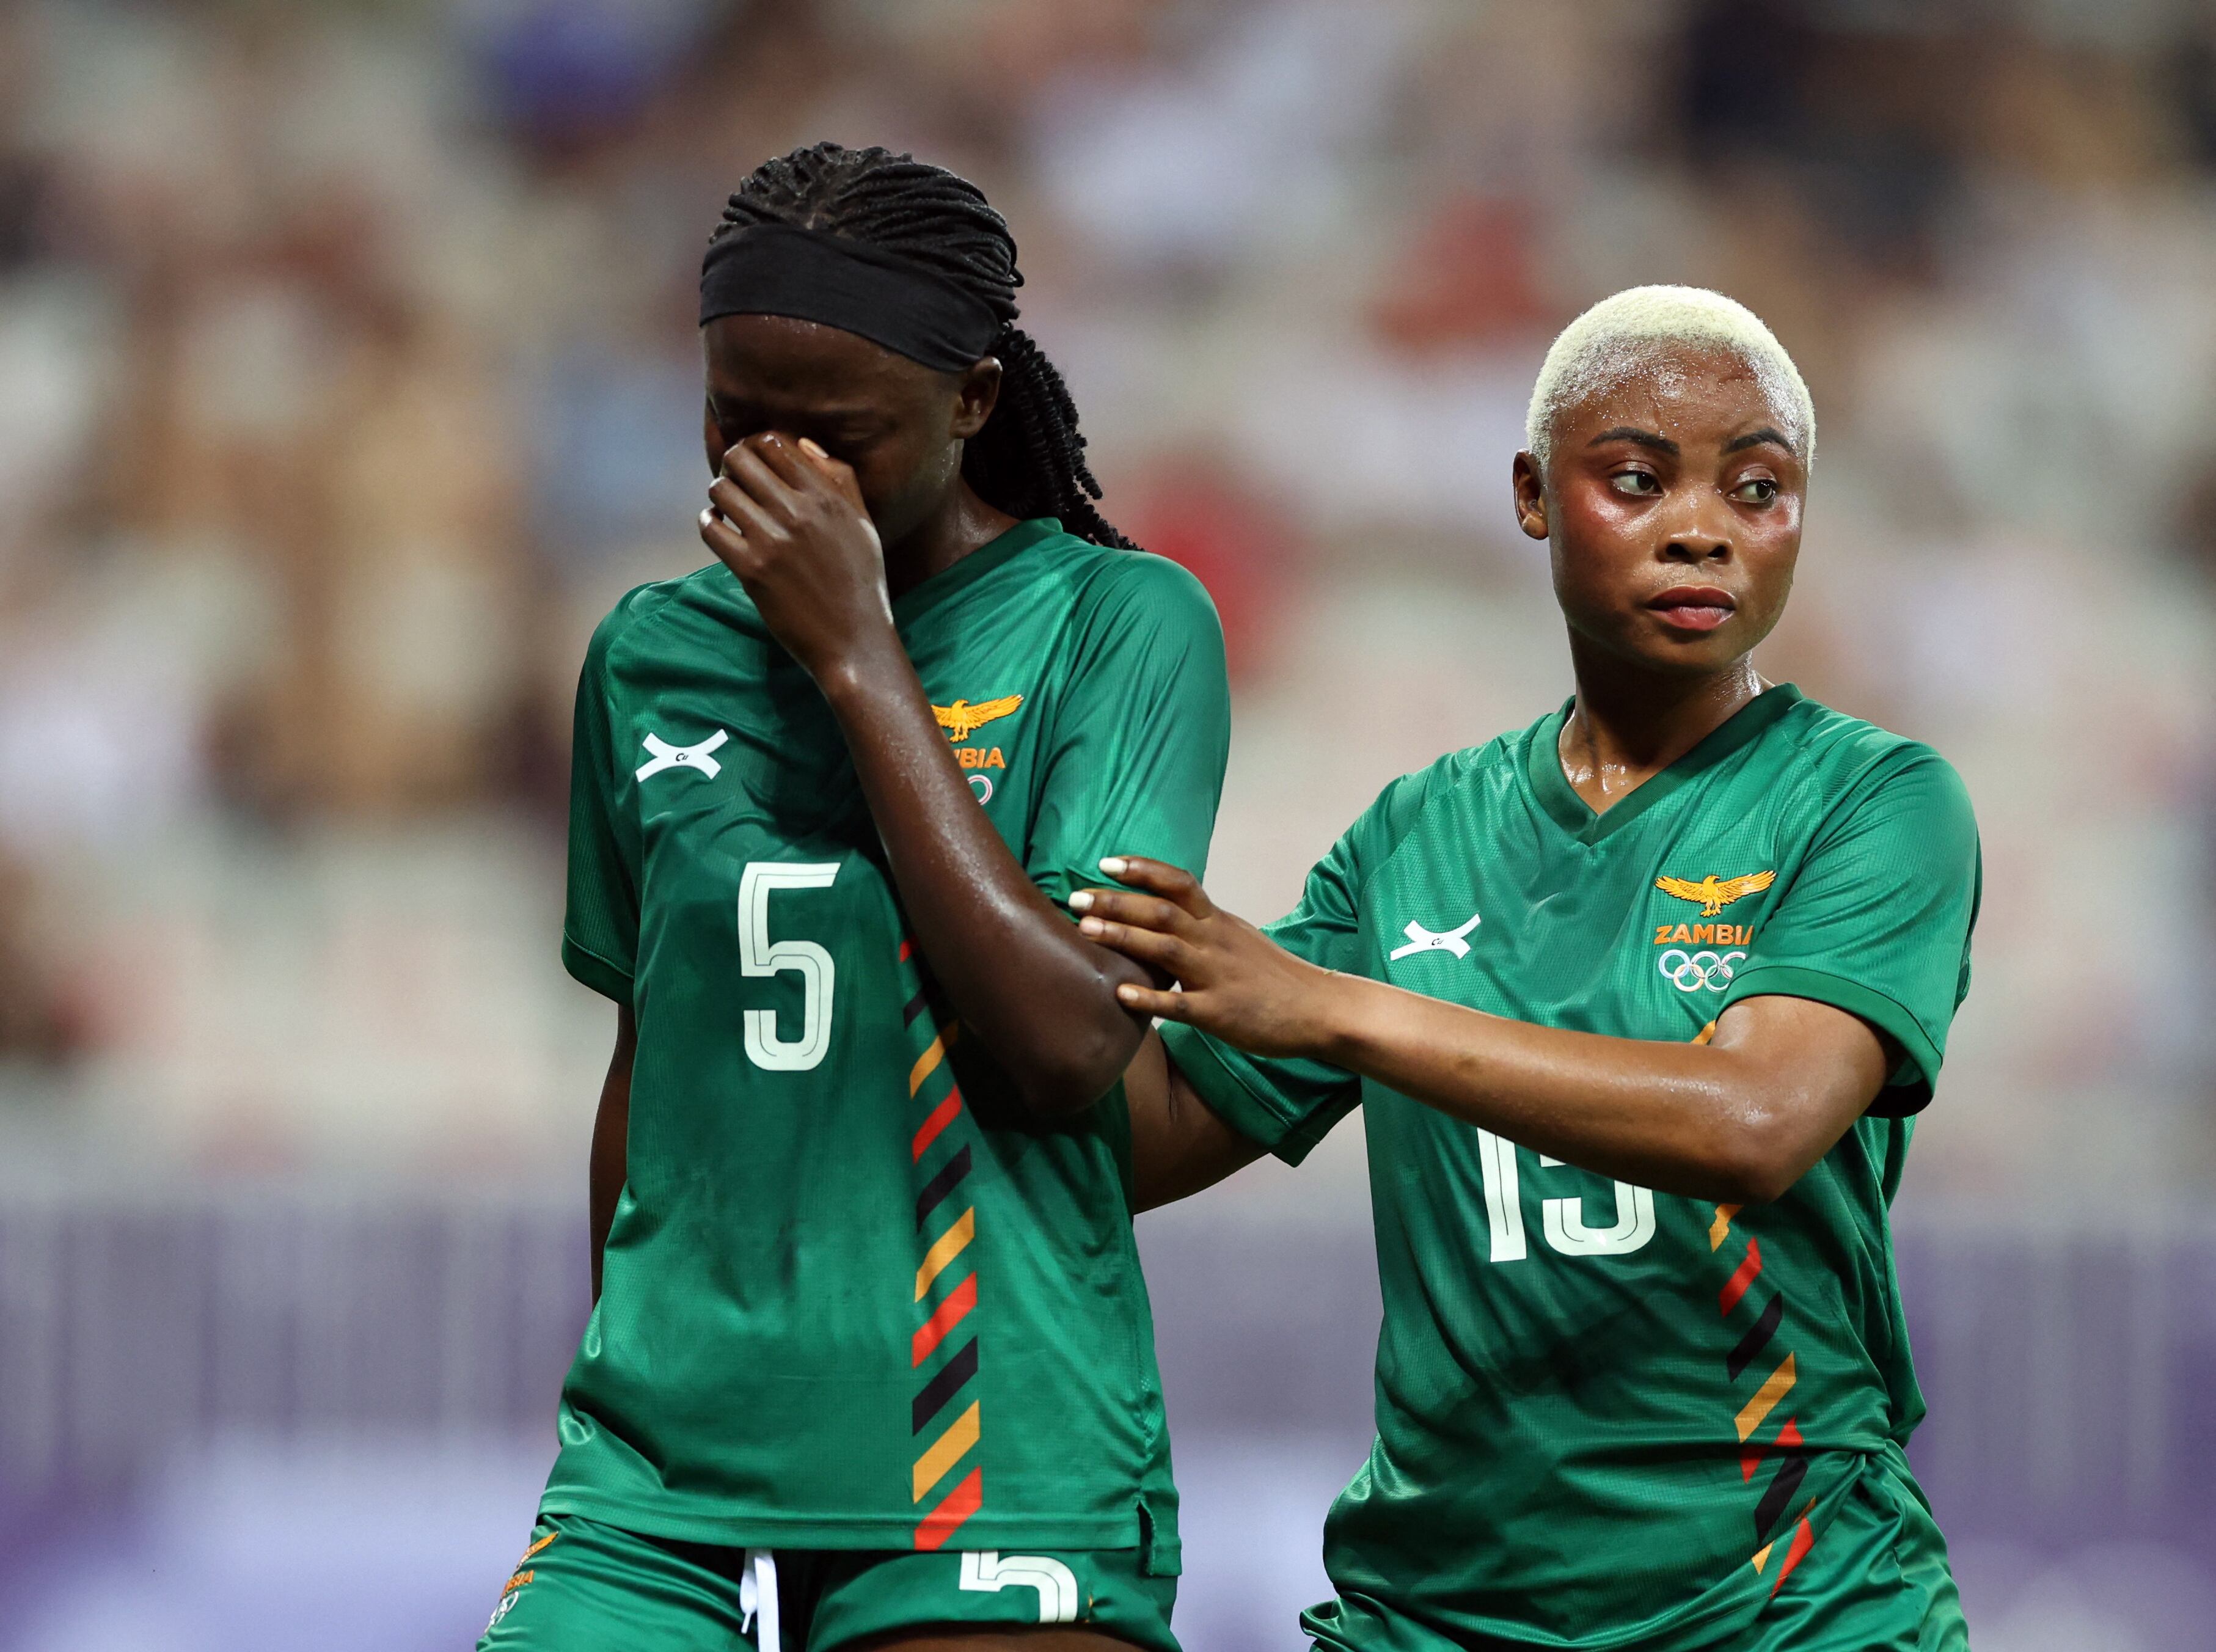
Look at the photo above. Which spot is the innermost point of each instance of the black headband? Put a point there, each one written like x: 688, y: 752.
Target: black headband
x: 781, y: 269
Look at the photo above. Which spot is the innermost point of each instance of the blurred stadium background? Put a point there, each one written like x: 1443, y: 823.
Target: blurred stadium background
x: 347, y: 373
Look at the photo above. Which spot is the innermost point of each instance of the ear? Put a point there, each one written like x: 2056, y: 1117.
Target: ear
x: 1530, y: 485
x: 978, y: 394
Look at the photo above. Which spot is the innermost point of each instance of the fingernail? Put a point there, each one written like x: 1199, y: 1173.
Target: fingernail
x: 707, y: 518
x: 1114, y: 866
x: 1090, y: 927
x: 1081, y: 901
x: 1128, y: 994
x: 808, y: 446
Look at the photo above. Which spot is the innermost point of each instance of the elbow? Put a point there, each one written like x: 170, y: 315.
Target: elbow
x: 1757, y: 1158
x: 1057, y: 1085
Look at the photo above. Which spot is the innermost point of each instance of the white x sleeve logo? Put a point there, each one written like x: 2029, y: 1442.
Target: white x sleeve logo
x: 666, y: 756
x: 1421, y: 940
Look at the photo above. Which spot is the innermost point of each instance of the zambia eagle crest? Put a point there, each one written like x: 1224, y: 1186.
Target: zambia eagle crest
x: 962, y: 719
x: 1714, y: 893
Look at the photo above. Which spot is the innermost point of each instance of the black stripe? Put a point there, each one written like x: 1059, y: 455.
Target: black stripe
x: 944, y: 1386
x: 1755, y: 1340
x: 915, y: 1006
x: 948, y: 1179
x: 1786, y: 1481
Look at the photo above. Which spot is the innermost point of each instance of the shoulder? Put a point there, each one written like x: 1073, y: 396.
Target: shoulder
x: 1110, y: 584
x: 639, y: 613
x: 1402, y: 807
x: 1855, y: 768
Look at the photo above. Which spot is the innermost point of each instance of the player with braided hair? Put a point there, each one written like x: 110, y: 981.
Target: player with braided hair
x: 870, y: 1357
x: 1028, y: 461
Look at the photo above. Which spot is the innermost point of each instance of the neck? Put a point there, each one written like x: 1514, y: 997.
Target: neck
x: 963, y: 524
x: 1630, y: 723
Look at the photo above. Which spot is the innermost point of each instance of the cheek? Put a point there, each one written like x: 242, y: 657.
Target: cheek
x: 1596, y: 537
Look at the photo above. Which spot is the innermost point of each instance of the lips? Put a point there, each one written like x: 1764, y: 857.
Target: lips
x: 1693, y: 607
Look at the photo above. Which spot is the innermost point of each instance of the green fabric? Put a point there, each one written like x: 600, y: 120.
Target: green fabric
x: 1877, y: 1581
x: 761, y: 1369
x: 1565, y: 1363
x: 585, y: 1576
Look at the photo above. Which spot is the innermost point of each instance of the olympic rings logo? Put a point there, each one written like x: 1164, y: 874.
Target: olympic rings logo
x: 1693, y: 970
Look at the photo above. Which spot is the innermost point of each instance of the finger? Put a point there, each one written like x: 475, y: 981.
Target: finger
x: 837, y: 472
x: 727, y: 542
x: 785, y: 457
x: 747, y: 465
x: 1145, y: 1000
x: 1172, y: 883
x: 744, y: 512
x: 1164, y: 952
x: 1121, y: 906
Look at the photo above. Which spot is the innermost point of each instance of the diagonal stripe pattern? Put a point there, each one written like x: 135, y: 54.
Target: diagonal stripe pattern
x: 949, y: 1245
x: 937, y: 1132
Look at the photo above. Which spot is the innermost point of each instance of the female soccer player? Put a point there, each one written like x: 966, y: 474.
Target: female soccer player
x: 1639, y: 1003
x: 871, y: 1357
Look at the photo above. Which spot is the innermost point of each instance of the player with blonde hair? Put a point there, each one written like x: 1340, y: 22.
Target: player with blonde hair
x: 1640, y: 1003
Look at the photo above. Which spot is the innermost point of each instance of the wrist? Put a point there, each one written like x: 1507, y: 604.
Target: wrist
x: 1331, y: 1016
x: 863, y: 670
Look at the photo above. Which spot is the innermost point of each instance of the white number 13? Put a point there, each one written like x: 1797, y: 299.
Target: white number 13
x: 1563, y: 1219
x: 759, y: 955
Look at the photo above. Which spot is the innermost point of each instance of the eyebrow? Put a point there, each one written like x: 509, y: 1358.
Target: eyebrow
x: 1755, y: 439
x: 1631, y: 432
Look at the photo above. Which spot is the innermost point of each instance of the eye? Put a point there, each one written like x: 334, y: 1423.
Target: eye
x: 1635, y: 483
x: 1755, y: 490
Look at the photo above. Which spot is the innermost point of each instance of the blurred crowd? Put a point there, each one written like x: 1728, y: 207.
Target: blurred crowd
x: 347, y: 374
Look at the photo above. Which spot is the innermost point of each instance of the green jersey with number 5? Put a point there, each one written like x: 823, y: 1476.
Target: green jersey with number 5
x: 1608, y: 1416
x: 853, y: 1296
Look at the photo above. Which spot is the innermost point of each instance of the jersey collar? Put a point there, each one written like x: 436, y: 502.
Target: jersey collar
x: 1544, y: 765
x: 942, y: 588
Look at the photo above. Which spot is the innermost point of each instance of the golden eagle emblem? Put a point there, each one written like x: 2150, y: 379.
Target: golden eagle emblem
x: 1714, y: 893
x: 962, y: 719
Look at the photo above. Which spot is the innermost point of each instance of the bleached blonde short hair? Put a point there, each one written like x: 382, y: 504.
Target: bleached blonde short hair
x: 1623, y: 335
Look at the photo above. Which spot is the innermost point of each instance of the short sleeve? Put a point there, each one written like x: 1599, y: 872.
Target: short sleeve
x: 1289, y: 1105
x: 1878, y: 918
x: 600, y: 931
x: 1141, y: 736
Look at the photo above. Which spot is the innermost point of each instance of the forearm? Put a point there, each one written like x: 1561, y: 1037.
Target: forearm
x: 1178, y: 1145
x: 1036, y: 995
x: 1710, y: 1121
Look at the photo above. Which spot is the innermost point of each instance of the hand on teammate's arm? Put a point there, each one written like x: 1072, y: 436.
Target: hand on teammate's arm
x: 1741, y: 1119
x: 790, y: 522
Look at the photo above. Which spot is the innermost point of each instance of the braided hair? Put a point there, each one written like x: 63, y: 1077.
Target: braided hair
x: 1028, y: 461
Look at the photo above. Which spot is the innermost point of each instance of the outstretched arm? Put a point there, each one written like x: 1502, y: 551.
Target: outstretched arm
x: 1738, y: 1118
x: 611, y: 1153
x: 1036, y: 995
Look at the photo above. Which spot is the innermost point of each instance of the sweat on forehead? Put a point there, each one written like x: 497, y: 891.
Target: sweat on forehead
x: 1628, y: 334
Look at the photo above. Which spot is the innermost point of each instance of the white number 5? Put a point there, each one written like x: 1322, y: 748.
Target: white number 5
x: 990, y: 1570
x: 759, y: 955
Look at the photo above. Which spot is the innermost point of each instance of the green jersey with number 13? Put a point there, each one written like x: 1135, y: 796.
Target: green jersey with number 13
x: 1608, y: 1417
x: 850, y: 1299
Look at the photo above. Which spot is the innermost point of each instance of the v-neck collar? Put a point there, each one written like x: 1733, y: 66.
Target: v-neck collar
x: 942, y: 587
x: 1576, y: 817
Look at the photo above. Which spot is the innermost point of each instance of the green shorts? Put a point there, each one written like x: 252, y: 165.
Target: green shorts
x: 583, y: 1585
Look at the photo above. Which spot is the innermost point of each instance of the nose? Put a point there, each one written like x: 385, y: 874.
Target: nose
x: 1701, y: 531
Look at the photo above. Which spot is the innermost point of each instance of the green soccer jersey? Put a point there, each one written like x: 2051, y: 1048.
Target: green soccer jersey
x: 850, y: 1299
x: 1608, y: 1417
